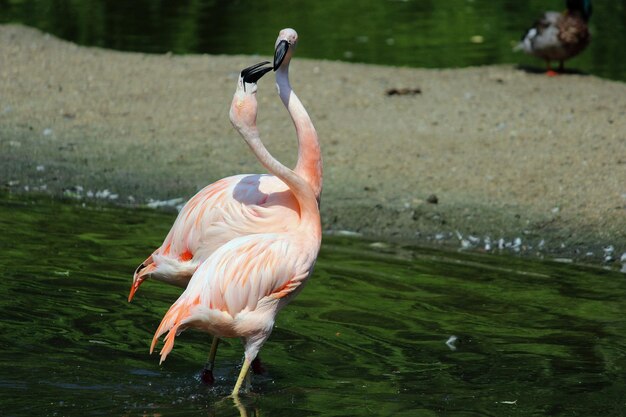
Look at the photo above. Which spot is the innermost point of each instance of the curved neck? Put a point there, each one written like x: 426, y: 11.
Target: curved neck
x: 309, y: 211
x: 309, y: 165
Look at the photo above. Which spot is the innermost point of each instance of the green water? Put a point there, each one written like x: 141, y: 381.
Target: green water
x: 417, y: 33
x: 366, y: 336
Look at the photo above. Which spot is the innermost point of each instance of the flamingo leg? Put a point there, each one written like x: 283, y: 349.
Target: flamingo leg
x: 242, y: 409
x: 242, y: 375
x: 257, y: 366
x: 207, y: 372
x: 248, y: 385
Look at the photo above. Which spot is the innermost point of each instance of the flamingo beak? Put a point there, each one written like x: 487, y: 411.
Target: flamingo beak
x: 280, y: 53
x: 254, y: 73
x: 141, y: 273
x: 135, y: 287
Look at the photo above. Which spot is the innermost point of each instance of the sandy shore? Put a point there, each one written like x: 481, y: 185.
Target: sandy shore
x: 508, y: 154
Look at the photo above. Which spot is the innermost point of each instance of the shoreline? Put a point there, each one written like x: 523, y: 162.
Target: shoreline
x: 508, y: 154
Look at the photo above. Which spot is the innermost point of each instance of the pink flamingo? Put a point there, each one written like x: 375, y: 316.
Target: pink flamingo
x: 238, y: 290
x: 309, y: 165
x: 239, y: 205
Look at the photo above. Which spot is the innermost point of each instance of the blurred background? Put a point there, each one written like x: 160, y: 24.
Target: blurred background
x: 416, y: 33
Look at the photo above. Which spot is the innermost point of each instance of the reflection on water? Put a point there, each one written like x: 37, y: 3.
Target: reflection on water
x: 435, y: 34
x: 366, y: 337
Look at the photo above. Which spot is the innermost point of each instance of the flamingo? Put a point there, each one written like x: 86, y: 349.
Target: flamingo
x: 238, y: 205
x: 238, y: 290
x: 309, y: 164
x: 241, y: 204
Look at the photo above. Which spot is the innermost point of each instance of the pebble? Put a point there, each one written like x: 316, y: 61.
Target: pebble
x: 608, y: 253
x: 564, y: 260
x: 103, y: 194
x: 349, y: 233
x: 432, y: 199
x: 164, y: 203
x: 451, y: 341
x: 379, y: 245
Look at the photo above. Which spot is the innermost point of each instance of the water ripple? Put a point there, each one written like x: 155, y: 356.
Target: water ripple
x: 367, y: 336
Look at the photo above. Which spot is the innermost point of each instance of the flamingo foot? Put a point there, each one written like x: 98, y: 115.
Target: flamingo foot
x: 257, y: 366
x: 207, y: 372
x: 551, y: 73
x: 207, y: 376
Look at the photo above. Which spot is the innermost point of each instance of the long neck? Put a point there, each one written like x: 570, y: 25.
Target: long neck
x: 307, y: 199
x: 309, y: 165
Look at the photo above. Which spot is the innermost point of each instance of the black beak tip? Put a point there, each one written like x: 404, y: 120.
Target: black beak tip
x: 279, y: 53
x: 254, y: 73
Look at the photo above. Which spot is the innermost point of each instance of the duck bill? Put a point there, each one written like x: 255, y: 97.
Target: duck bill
x: 280, y: 53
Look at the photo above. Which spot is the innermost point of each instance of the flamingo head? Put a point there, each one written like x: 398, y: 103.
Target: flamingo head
x: 249, y: 77
x: 244, y: 106
x: 284, y: 48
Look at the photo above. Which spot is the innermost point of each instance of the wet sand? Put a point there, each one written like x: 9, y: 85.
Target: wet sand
x: 509, y: 154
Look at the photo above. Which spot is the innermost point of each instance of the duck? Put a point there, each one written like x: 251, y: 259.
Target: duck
x: 559, y: 36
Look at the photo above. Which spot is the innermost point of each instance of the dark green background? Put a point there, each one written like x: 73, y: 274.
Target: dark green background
x: 417, y: 33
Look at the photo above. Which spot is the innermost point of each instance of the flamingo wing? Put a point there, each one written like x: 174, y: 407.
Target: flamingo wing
x: 229, y: 292
x: 229, y: 208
